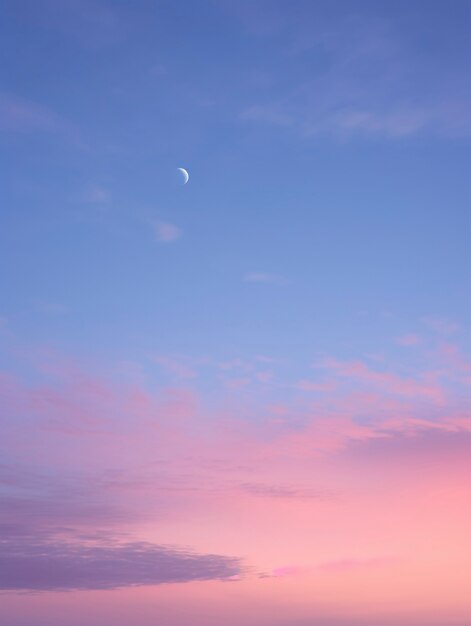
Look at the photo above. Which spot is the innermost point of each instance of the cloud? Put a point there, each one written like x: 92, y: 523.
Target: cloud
x: 40, y: 507
x: 456, y: 362
x: 17, y: 114
x: 400, y: 123
x: 284, y: 571
x: 391, y: 383
x: 262, y: 358
x: 33, y: 501
x: 28, y: 564
x: 264, y: 377
x: 441, y: 326
x: 347, y: 565
x: 24, y: 116
x: 350, y: 469
x: 339, y: 566
x: 166, y: 233
x: 236, y: 383
x: 309, y: 385
x: 97, y: 195
x: 50, y: 308
x: 181, y: 367
x: 342, y: 120
x: 235, y: 364
x: 372, y: 82
x: 285, y: 492
x: 409, y: 340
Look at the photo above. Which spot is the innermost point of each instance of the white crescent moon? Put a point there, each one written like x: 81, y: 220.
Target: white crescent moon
x: 186, y: 176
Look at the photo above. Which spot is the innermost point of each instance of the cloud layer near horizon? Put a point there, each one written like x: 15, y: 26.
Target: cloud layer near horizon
x: 28, y: 564
x: 337, y: 476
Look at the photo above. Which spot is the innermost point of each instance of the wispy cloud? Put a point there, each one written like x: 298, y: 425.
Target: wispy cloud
x: 166, y: 232
x: 284, y: 571
x: 342, y: 119
x: 409, y: 340
x: 286, y: 491
x: 351, y: 565
x: 50, y: 308
x: 180, y: 366
x: 339, y: 566
x: 426, y: 387
x: 24, y: 116
x: 366, y: 85
x: 97, y: 195
x: 441, y: 326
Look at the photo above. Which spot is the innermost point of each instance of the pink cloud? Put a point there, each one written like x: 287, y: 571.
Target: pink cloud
x: 452, y: 355
x: 264, y: 377
x: 173, y: 467
x: 417, y: 425
x: 290, y: 571
x: 328, y: 435
x: 166, y: 233
x: 180, y: 366
x: 409, y: 340
x: 427, y: 387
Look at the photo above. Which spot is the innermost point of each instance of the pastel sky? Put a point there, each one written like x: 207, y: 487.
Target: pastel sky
x: 244, y: 400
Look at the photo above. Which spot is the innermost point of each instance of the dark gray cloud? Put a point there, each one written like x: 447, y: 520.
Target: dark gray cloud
x: 28, y: 564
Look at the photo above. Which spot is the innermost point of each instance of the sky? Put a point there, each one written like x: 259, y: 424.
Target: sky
x: 244, y: 400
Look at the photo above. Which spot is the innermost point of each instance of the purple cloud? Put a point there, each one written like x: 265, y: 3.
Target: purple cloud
x: 29, y: 564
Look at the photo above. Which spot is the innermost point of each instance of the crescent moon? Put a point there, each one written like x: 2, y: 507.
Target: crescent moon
x: 186, y: 176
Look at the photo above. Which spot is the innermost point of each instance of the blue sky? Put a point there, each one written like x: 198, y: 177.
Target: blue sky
x: 328, y: 148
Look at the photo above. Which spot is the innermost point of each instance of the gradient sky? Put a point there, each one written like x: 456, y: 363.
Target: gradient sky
x: 244, y: 400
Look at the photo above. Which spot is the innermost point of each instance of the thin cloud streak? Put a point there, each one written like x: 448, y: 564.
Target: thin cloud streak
x: 19, y: 115
x: 366, y: 86
x: 286, y: 492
